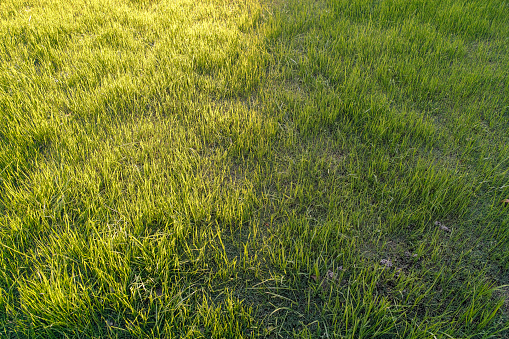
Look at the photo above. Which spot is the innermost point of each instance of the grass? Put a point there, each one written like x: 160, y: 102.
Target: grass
x: 239, y: 169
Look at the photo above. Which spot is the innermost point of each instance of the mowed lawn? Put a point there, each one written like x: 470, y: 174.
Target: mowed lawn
x: 254, y: 169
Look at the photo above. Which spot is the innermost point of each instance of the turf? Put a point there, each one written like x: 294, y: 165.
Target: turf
x: 247, y: 169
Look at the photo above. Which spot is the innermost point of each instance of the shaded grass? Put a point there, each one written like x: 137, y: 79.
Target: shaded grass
x: 233, y: 169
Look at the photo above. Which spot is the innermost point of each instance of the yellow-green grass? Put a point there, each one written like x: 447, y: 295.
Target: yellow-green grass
x: 237, y: 169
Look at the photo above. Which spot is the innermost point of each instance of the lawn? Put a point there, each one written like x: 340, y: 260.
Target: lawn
x: 254, y: 169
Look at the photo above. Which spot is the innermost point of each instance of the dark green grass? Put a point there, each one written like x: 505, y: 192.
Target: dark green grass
x: 234, y: 169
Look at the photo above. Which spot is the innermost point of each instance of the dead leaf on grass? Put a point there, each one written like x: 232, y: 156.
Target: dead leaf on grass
x: 330, y: 275
x: 505, y: 202
x: 442, y: 226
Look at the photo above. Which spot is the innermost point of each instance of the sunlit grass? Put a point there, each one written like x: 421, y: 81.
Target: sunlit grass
x: 239, y: 169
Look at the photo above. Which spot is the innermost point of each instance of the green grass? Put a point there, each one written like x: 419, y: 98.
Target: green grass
x: 247, y: 169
